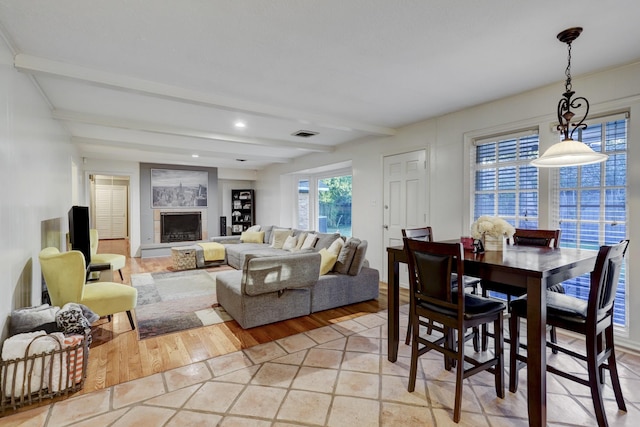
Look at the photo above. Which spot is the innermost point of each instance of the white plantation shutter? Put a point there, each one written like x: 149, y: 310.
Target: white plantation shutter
x: 591, y: 208
x: 505, y: 185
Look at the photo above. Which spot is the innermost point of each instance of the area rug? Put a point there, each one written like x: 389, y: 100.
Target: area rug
x: 176, y: 301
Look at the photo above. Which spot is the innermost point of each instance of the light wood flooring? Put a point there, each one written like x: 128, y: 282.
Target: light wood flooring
x: 117, y: 355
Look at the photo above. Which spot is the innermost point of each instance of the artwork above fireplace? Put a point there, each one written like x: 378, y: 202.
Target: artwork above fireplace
x: 180, y: 226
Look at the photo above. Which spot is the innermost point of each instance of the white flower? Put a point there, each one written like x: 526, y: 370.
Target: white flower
x: 492, y: 226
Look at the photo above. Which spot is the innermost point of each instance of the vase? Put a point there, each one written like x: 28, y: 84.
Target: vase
x: 492, y: 243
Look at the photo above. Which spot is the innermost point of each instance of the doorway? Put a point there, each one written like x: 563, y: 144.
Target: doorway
x: 110, y: 201
x: 404, y: 200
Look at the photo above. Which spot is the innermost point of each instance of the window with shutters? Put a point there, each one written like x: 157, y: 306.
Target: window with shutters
x: 505, y: 185
x: 591, y: 208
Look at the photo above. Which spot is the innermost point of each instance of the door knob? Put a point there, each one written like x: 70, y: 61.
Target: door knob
x: 386, y: 227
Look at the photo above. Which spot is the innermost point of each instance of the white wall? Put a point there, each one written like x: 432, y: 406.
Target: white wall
x: 447, y: 139
x: 35, y: 171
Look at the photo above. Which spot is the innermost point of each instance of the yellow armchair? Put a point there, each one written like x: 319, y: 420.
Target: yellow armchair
x: 116, y: 261
x: 65, y: 275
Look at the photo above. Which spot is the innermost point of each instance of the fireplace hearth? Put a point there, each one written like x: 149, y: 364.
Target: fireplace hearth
x: 180, y: 226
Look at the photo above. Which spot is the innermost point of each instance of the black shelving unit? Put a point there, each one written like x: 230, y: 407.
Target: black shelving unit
x: 242, y: 210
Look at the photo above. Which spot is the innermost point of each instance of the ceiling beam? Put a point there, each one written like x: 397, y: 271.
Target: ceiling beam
x: 163, y: 148
x: 36, y: 65
x: 114, y: 122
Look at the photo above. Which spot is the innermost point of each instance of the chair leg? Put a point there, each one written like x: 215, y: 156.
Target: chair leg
x: 595, y: 385
x: 407, y: 340
x: 457, y: 410
x: 514, y: 349
x: 133, y: 325
x: 553, y: 338
x: 498, y: 338
x: 121, y: 276
x: 613, y: 370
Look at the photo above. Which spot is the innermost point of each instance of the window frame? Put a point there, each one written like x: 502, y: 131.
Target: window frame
x: 516, y: 219
x: 582, y: 282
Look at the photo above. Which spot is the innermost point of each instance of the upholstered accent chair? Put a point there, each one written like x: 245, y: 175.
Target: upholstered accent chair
x: 65, y: 276
x: 116, y: 261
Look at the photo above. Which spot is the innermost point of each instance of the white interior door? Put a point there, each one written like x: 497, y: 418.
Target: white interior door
x: 404, y: 199
x: 111, y: 211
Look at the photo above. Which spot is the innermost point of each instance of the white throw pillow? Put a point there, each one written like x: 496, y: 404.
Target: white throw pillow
x: 253, y: 228
x: 309, y: 241
x: 290, y: 243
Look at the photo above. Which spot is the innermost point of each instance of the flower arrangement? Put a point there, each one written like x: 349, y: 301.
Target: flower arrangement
x: 491, y: 226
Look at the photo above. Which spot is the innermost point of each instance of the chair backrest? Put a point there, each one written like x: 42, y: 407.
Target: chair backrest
x: 64, y: 274
x: 93, y: 240
x: 422, y: 233
x: 604, y: 279
x: 525, y: 237
x: 431, y: 265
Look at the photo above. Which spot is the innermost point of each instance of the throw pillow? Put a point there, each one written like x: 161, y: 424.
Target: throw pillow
x: 336, y: 246
x: 310, y: 241
x: 327, y: 261
x: 253, y: 228
x: 252, y: 236
x: 301, y: 238
x: 358, y: 259
x: 326, y: 239
x: 278, y: 237
x: 345, y: 257
x: 290, y: 243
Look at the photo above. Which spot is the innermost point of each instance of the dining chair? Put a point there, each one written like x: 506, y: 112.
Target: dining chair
x: 65, y: 276
x: 470, y: 283
x: 592, y: 318
x: 452, y: 312
x: 523, y: 237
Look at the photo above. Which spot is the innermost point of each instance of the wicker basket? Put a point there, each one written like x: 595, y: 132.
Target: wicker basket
x: 60, y: 372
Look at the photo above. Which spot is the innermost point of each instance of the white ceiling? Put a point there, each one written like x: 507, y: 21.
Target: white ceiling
x: 160, y: 80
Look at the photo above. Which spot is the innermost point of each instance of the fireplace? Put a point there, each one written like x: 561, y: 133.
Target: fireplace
x: 180, y: 226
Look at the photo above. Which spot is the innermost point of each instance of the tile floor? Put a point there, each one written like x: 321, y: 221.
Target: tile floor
x: 337, y: 375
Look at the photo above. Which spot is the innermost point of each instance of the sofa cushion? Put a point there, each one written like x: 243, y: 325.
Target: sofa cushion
x: 309, y: 241
x: 326, y: 239
x: 253, y: 228
x: 278, y: 237
x: 346, y: 255
x: 358, y: 259
x: 276, y: 273
x: 300, y: 240
x: 252, y: 236
x: 267, y: 233
x: 327, y: 261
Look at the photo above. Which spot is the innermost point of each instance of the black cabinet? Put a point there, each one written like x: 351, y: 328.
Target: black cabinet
x: 242, y: 210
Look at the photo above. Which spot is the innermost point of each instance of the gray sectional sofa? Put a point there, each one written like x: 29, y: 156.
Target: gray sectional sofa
x: 273, y: 284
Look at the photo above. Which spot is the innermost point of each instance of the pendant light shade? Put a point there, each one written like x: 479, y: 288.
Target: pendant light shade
x: 569, y: 152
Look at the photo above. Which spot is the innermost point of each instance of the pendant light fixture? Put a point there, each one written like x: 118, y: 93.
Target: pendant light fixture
x: 569, y: 152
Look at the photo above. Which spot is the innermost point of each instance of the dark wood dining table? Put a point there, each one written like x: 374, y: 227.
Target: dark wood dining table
x: 532, y: 268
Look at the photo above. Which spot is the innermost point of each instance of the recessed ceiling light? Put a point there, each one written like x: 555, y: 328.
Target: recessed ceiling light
x: 195, y: 155
x: 240, y: 124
